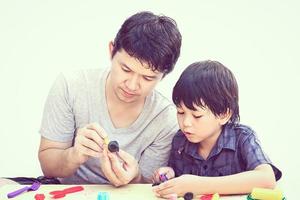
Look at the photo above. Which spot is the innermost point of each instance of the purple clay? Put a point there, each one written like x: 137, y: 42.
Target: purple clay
x: 33, y: 187
x: 163, y: 177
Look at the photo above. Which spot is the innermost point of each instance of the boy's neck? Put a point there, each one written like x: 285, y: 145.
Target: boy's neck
x: 206, y: 146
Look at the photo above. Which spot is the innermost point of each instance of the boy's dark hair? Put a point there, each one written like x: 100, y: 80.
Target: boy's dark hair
x: 208, y: 83
x: 150, y: 38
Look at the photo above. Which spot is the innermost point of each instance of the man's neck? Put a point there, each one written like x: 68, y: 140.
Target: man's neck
x: 122, y: 114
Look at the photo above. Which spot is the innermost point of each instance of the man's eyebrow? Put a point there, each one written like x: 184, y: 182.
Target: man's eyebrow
x: 148, y: 76
x: 124, y: 65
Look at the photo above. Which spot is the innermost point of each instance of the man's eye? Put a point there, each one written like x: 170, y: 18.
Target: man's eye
x: 126, y: 70
x: 147, y: 78
x: 180, y: 113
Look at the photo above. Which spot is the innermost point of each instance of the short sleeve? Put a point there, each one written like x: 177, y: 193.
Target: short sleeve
x: 58, y: 122
x: 157, y: 153
x: 253, y: 155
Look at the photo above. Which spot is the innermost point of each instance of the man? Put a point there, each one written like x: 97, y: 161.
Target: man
x: 85, y: 107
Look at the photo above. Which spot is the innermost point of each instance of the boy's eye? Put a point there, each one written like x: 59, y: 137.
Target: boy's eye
x: 180, y: 113
x: 197, y: 116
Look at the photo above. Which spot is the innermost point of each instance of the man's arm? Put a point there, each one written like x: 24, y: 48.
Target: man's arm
x: 60, y: 159
x: 241, y: 183
x: 56, y: 158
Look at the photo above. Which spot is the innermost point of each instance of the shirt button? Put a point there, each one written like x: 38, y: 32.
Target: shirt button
x: 205, y: 167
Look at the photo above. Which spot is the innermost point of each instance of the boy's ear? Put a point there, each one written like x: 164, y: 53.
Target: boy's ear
x: 110, y: 48
x: 225, y: 117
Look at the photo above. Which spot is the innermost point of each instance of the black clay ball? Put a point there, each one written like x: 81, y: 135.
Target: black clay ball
x: 113, y: 146
x: 188, y: 196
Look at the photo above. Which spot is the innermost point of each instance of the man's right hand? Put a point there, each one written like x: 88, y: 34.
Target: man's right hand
x: 88, y: 142
x: 62, y: 159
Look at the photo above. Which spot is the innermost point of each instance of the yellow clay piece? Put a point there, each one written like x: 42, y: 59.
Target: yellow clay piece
x: 216, y: 196
x: 266, y: 194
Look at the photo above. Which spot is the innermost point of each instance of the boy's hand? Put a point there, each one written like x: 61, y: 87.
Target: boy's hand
x: 179, y: 185
x: 168, y: 171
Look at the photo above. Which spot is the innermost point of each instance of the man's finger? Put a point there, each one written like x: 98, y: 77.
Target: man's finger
x: 93, y: 135
x: 126, y: 157
x: 107, y: 169
x: 90, y: 144
x: 96, y: 127
x: 117, y: 167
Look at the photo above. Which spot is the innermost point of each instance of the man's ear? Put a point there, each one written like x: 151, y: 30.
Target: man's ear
x: 225, y: 117
x: 110, y: 48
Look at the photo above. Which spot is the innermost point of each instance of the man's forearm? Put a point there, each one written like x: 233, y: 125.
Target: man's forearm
x: 57, y: 162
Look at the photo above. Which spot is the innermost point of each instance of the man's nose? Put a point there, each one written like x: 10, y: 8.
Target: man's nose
x: 133, y: 83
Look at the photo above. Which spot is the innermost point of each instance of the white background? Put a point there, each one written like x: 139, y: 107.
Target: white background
x: 257, y: 40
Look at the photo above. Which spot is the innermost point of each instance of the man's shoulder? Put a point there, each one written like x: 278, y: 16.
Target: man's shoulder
x: 78, y: 80
x: 162, y: 101
x: 79, y: 75
x: 163, y: 108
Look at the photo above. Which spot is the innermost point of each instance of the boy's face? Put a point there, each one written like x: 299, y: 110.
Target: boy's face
x: 130, y: 80
x: 199, y: 125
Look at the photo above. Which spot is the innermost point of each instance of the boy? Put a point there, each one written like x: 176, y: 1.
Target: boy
x: 212, y: 152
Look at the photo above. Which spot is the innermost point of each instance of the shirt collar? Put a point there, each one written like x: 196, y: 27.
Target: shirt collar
x: 227, y: 138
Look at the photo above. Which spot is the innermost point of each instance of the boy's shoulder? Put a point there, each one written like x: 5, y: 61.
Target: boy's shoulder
x: 243, y: 133
x: 179, y: 135
x: 242, y: 129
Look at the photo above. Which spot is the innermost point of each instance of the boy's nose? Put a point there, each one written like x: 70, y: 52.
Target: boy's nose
x: 187, y: 121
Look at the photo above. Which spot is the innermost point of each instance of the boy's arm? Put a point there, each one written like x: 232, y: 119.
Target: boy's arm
x: 241, y: 183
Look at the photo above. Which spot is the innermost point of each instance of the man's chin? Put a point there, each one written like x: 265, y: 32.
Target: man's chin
x: 127, y: 100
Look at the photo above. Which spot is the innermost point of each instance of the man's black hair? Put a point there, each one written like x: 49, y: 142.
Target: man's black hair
x: 154, y: 39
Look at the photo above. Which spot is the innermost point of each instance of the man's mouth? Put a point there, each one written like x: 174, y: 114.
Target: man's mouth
x: 127, y: 93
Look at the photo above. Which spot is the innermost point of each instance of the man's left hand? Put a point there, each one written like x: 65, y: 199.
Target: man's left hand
x: 119, y: 168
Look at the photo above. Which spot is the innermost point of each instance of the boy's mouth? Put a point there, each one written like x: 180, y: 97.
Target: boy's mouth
x: 187, y: 133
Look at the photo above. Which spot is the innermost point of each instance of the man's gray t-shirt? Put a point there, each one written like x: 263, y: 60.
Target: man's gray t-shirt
x: 78, y: 98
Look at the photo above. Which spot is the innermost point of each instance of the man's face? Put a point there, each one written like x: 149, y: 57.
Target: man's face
x: 129, y: 79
